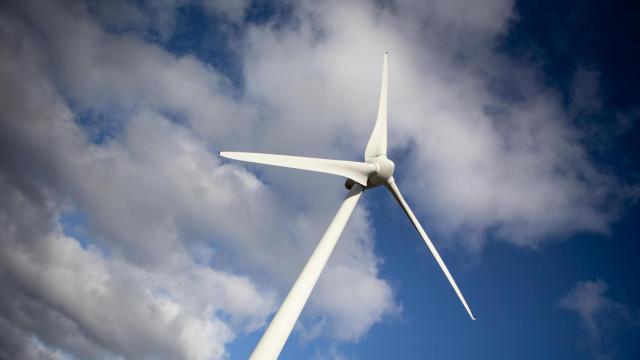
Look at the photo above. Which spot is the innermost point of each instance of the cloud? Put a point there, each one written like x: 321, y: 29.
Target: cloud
x: 15, y: 344
x: 584, y: 91
x: 87, y: 303
x: 157, y: 20
x: 600, y: 316
x: 331, y: 354
x: 103, y: 308
x: 490, y: 146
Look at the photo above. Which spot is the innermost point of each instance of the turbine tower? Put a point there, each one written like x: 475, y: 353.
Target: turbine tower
x: 376, y: 170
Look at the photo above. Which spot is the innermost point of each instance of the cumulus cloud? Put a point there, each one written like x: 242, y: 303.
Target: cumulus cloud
x: 492, y: 149
x: 599, y: 315
x: 180, y: 252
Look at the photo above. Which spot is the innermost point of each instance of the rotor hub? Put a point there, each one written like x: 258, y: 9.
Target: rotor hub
x: 384, y: 170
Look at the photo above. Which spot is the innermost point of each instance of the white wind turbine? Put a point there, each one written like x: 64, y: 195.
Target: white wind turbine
x: 376, y: 170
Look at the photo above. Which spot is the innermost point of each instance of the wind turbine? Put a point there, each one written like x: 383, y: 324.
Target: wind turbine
x: 376, y: 170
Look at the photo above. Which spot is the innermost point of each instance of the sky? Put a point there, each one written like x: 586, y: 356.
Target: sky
x: 513, y: 126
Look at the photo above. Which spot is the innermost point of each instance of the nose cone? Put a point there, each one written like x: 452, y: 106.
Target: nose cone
x: 383, y: 173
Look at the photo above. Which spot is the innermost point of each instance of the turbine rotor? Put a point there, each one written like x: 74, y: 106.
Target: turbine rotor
x: 375, y: 171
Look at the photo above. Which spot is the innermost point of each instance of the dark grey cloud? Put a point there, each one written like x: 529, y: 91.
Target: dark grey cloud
x: 15, y: 344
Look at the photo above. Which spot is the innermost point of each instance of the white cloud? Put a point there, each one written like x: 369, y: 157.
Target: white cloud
x: 93, y: 305
x: 157, y: 19
x: 331, y: 354
x: 600, y: 316
x: 485, y: 163
x: 108, y: 306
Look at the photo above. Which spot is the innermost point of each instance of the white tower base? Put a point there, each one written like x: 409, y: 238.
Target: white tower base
x: 276, y: 335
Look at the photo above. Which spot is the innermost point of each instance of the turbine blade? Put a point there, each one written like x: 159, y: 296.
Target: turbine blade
x: 377, y: 144
x: 277, y: 333
x: 357, y: 171
x: 396, y: 193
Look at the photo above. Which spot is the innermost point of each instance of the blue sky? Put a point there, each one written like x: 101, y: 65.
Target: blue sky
x: 513, y: 125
